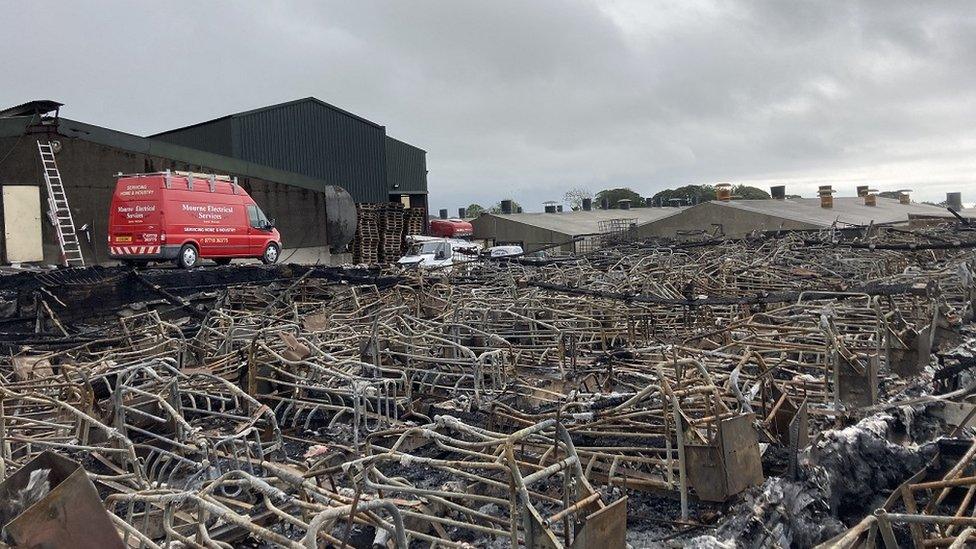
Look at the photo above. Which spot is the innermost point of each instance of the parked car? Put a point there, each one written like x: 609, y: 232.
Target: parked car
x: 185, y: 217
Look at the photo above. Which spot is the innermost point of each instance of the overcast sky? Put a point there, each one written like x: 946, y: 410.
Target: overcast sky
x: 529, y: 98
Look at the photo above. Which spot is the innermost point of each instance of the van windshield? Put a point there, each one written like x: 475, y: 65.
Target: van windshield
x: 430, y: 248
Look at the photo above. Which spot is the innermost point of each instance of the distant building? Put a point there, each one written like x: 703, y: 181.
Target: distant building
x: 738, y: 218
x: 572, y: 231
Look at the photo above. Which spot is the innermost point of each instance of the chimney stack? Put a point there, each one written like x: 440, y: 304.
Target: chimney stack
x: 954, y: 201
x: 604, y: 203
x: 587, y: 204
x: 506, y: 206
x: 904, y: 196
x: 462, y: 213
x: 443, y: 213
x: 518, y: 210
x: 623, y: 203
x: 723, y: 192
x: 826, y: 193
x: 862, y: 190
x: 871, y: 198
x: 778, y: 192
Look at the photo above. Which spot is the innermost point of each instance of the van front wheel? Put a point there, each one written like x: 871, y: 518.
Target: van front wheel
x: 188, y: 257
x: 271, y: 254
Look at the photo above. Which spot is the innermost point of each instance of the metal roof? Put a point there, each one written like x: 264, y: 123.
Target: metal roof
x: 272, y: 107
x: 11, y: 127
x: 846, y: 210
x: 581, y: 223
x: 306, y: 136
x: 968, y: 213
x: 37, y: 106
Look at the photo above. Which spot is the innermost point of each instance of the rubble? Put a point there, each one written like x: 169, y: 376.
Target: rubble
x: 784, y: 390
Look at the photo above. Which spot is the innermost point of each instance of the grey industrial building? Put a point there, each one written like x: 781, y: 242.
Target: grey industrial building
x: 729, y: 218
x: 572, y: 231
x: 738, y: 218
x: 313, y: 138
x: 316, y: 219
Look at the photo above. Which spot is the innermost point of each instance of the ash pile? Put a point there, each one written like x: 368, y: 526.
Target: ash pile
x: 791, y: 390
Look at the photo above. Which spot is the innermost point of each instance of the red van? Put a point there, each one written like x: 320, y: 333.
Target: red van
x: 185, y: 217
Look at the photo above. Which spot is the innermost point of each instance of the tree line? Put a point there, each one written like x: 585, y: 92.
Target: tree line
x: 687, y: 195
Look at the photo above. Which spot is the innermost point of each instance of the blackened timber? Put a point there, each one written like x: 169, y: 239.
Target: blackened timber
x: 173, y: 299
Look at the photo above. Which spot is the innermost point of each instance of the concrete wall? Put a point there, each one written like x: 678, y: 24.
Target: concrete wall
x: 505, y: 231
x: 734, y: 222
x: 88, y: 171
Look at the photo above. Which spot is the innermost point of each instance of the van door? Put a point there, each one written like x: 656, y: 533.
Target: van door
x: 259, y: 229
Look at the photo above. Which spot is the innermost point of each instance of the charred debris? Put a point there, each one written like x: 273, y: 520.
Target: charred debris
x: 791, y: 390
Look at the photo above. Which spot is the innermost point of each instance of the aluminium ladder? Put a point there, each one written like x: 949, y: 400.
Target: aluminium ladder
x: 57, y: 201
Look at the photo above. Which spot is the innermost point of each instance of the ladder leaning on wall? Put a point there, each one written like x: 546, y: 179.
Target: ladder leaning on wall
x: 57, y: 201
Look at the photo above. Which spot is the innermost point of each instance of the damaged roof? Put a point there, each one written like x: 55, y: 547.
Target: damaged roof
x: 37, y: 106
x: 580, y: 223
x: 848, y: 210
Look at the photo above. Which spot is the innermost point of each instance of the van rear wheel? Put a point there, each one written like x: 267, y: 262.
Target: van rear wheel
x: 188, y: 257
x: 271, y: 254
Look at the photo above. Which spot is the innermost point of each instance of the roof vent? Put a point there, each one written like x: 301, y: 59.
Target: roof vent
x: 904, y: 196
x: 443, y: 213
x: 826, y: 193
x: 549, y: 207
x: 954, y: 201
x: 871, y: 197
x: 462, y: 213
x: 506, y: 206
x: 587, y: 204
x: 723, y: 192
x: 778, y: 192
x: 623, y: 203
x: 862, y: 190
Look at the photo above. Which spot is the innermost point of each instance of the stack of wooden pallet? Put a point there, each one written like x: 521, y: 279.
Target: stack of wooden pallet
x: 415, y: 221
x: 365, y: 247
x: 391, y: 231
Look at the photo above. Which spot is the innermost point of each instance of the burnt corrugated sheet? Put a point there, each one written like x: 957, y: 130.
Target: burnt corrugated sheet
x: 312, y: 138
x: 406, y: 166
x: 214, y: 136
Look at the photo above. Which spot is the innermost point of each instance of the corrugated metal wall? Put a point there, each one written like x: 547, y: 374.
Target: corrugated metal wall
x: 406, y: 166
x: 317, y: 141
x: 214, y: 137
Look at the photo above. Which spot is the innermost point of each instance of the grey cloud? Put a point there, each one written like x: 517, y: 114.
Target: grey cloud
x: 530, y: 98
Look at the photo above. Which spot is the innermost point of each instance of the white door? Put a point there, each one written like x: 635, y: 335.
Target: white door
x: 22, y: 223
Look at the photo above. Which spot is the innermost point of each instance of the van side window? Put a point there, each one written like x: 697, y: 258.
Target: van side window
x: 256, y: 217
x: 252, y: 216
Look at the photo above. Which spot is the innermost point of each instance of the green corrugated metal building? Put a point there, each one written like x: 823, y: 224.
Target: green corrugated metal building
x: 313, y: 138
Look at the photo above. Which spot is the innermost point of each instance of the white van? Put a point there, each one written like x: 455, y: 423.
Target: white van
x: 432, y: 253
